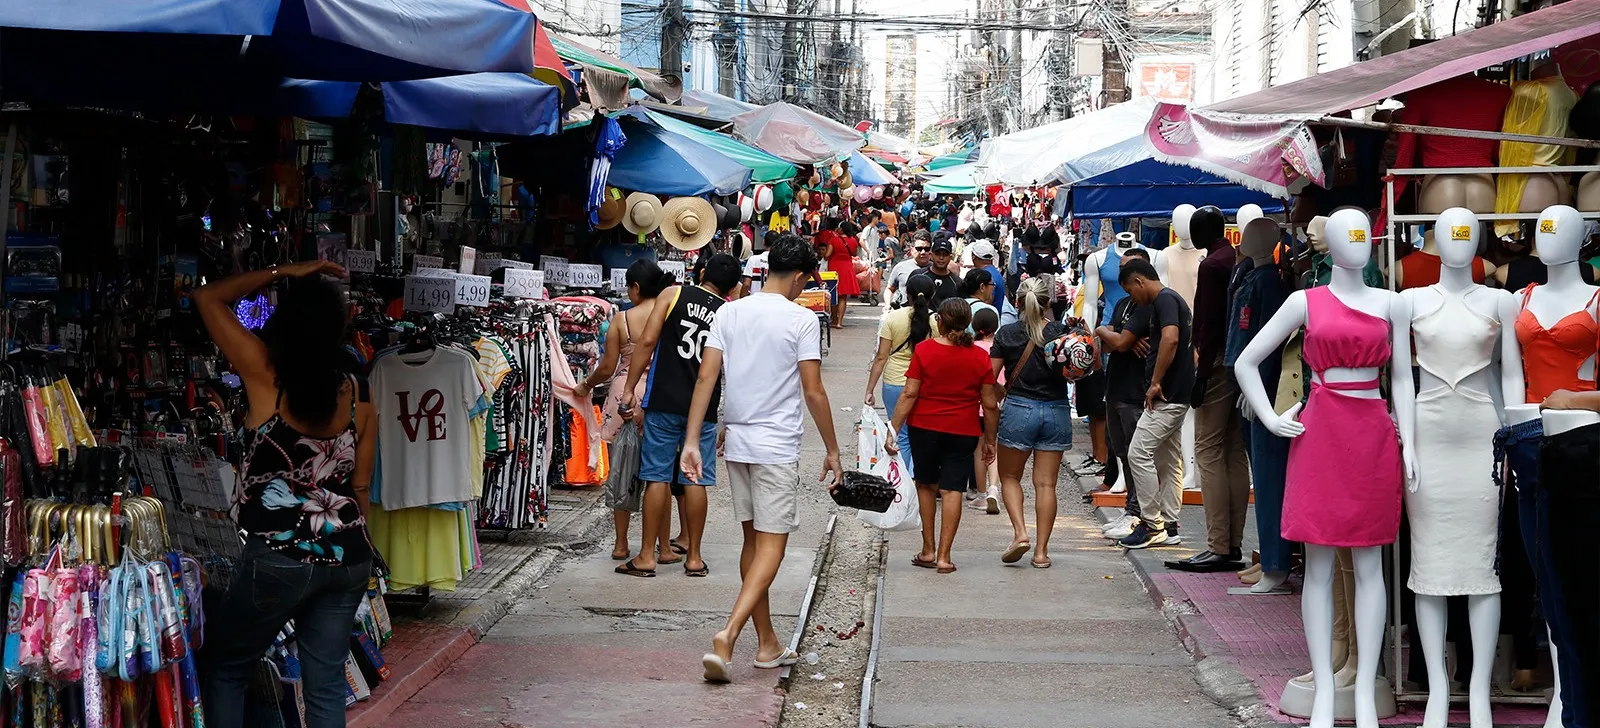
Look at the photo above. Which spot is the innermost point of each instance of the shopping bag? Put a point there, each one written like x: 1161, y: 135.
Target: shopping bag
x: 903, y: 514
x: 872, y: 436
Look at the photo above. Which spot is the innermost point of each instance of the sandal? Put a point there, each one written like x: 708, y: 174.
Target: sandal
x: 704, y: 570
x: 920, y: 562
x: 784, y: 659
x: 677, y: 549
x: 951, y: 569
x: 1041, y: 564
x: 1014, y: 554
x: 668, y: 562
x: 630, y: 570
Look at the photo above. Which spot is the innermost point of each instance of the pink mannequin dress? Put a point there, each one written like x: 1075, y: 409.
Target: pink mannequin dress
x: 1343, y: 484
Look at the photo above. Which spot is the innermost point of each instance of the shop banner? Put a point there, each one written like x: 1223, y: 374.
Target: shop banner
x: 1274, y: 155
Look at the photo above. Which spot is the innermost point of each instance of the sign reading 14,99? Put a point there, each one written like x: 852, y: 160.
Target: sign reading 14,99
x: 430, y: 294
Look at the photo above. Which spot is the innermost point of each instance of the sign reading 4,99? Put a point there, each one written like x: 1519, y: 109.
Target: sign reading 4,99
x: 472, y: 290
x: 430, y: 294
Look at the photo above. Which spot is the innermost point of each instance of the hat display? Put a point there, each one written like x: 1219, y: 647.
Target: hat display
x: 747, y: 207
x: 802, y: 196
x: 727, y: 213
x: 782, y: 194
x: 641, y: 213
x: 764, y: 197
x: 611, y: 209
x: 688, y: 223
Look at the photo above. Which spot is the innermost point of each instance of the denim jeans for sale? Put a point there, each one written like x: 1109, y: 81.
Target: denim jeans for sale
x: 891, y: 397
x: 1516, y: 450
x: 1269, y: 463
x: 1569, y: 473
x: 268, y: 590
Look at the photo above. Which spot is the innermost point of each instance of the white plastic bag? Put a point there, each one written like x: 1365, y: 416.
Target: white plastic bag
x: 903, y: 514
x: 872, y: 435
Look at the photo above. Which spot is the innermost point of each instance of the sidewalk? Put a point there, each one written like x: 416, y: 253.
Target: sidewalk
x: 426, y: 643
x: 1249, y: 647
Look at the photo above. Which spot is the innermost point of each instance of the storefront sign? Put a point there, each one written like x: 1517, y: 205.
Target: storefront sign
x: 1167, y: 81
x: 430, y: 294
x: 361, y: 261
x: 524, y: 283
x: 469, y: 259
x: 424, y: 262
x: 582, y: 275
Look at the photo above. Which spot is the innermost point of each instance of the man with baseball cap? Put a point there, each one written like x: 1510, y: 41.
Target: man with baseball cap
x: 942, y: 270
x: 983, y: 257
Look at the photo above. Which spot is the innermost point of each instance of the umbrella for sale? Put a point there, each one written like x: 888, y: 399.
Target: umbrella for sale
x: 661, y: 162
x: 797, y: 135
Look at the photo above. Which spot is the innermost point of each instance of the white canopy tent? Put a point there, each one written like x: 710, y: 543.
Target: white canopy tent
x: 1042, y: 154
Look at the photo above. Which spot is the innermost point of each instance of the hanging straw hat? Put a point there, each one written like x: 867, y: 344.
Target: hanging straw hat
x: 612, y: 207
x: 642, y: 213
x: 688, y: 223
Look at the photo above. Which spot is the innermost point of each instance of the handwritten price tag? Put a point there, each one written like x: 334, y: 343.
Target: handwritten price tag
x: 361, y: 261
x: 469, y: 259
x: 524, y: 283
x: 472, y: 290
x: 675, y: 267
x: 426, y: 262
x: 430, y: 294
x: 619, y: 279
x: 581, y: 275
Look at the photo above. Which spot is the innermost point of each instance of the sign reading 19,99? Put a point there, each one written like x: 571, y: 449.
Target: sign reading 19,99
x: 582, y: 275
x: 430, y: 294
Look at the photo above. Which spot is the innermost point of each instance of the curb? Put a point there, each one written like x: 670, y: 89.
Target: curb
x: 472, y: 623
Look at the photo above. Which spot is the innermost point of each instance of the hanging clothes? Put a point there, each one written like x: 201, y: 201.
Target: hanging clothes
x: 1538, y: 107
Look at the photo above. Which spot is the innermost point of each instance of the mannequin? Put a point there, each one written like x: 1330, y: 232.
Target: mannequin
x: 1538, y: 106
x: 1332, y: 499
x: 1463, y: 102
x: 1182, y: 270
x: 1424, y: 265
x: 1584, y: 123
x: 1456, y: 325
x: 1247, y: 214
x: 1299, y: 694
x: 1100, y: 277
x: 1558, y: 237
x: 1260, y: 292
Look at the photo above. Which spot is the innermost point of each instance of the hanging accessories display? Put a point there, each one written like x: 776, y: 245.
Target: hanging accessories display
x: 643, y: 213
x: 688, y: 223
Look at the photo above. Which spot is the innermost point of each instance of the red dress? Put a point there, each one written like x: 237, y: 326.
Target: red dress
x: 841, y: 261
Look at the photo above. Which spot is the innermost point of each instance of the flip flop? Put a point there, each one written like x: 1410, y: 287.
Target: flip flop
x: 717, y: 669
x: 630, y: 570
x: 786, y: 658
x: 679, y: 549
x: 623, y: 557
x: 923, y: 563
x: 1041, y: 564
x: 669, y: 562
x: 704, y: 570
x: 1014, y: 554
x: 951, y: 569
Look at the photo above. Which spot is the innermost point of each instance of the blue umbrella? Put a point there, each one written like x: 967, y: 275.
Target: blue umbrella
x: 864, y: 171
x: 665, y: 163
x: 495, y: 104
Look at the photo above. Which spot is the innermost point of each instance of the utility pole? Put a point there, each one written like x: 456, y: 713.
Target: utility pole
x: 672, y: 37
x: 1114, y: 74
x: 727, y: 48
x: 1014, y: 79
x: 791, y: 54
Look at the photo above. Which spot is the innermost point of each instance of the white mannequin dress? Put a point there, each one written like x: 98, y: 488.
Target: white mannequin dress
x: 1455, y: 512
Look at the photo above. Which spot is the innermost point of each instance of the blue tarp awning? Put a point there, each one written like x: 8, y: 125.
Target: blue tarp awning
x: 662, y: 162
x: 1152, y: 188
x: 864, y: 171
x: 325, y: 39
x: 500, y: 104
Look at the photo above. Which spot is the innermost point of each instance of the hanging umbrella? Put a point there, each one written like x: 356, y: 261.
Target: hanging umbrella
x: 665, y: 163
x: 717, y: 106
x: 764, y: 167
x: 956, y: 182
x: 864, y: 171
x: 608, y: 141
x: 796, y: 135
x: 493, y: 104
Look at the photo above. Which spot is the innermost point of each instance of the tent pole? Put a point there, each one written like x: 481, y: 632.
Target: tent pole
x: 1466, y: 133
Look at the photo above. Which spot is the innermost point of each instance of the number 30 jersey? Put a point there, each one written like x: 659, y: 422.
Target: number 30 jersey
x: 676, y: 362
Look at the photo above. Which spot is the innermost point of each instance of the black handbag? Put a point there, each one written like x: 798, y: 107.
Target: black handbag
x: 864, y: 491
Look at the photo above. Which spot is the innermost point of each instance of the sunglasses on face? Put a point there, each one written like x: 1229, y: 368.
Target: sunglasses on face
x: 922, y: 250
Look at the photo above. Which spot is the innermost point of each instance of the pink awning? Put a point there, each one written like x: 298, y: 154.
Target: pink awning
x: 1367, y: 83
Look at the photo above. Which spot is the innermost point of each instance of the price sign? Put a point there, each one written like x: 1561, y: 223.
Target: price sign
x: 488, y: 263
x: 332, y: 248
x: 619, y: 279
x: 675, y: 267
x: 516, y: 264
x: 424, y: 262
x: 580, y: 275
x: 524, y: 283
x: 430, y: 294
x: 469, y: 259
x: 472, y: 290
x: 545, y: 261
x: 361, y: 261
x: 557, y: 274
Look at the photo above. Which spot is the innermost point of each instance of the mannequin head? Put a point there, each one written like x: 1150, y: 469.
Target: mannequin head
x: 1558, y: 235
x: 1317, y: 233
x: 1349, y: 238
x: 1126, y: 240
x: 1180, y: 224
x: 1259, y: 239
x: 1248, y: 213
x: 1455, y: 237
x: 1205, y: 226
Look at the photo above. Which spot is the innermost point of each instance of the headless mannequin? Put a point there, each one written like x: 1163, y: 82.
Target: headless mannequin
x: 1456, y: 242
x: 1091, y: 275
x: 1517, y: 414
x: 1441, y: 192
x: 1182, y: 269
x: 1259, y: 240
x: 1348, y: 236
x: 1565, y: 293
x: 1545, y: 93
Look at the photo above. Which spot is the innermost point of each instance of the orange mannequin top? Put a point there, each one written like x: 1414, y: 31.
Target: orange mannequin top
x: 1552, y: 357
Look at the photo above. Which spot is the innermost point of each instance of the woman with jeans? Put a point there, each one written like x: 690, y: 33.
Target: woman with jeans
x: 301, y: 498
x: 898, y: 335
x: 948, y: 379
x: 1035, y: 419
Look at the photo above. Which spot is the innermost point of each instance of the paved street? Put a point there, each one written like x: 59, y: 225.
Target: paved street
x: 1080, y: 644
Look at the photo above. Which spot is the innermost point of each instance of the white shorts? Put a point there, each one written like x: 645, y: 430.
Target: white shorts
x: 769, y: 495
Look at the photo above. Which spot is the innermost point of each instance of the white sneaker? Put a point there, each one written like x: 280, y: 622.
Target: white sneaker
x: 1123, y: 531
x: 992, y: 500
x: 1117, y: 523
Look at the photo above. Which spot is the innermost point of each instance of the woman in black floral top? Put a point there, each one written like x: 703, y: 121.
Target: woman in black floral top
x: 302, y: 493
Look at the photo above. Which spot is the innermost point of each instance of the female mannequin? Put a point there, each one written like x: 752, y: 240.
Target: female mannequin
x: 1334, y: 497
x: 1247, y: 213
x: 1424, y: 265
x: 1259, y: 293
x: 1183, y: 259
x: 1456, y: 324
x: 1557, y: 324
x: 1539, y: 106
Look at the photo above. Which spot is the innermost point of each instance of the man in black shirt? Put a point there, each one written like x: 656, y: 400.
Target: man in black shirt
x: 942, y: 270
x: 1156, y: 448
x: 1127, y: 340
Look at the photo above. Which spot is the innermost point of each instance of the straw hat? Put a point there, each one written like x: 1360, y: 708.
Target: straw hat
x: 802, y: 196
x: 688, y: 223
x: 611, y: 209
x: 642, y: 213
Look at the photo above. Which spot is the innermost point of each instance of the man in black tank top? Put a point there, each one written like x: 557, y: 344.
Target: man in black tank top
x: 668, y: 355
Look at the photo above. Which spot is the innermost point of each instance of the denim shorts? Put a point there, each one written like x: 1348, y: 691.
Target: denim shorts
x: 664, y: 438
x: 1031, y: 424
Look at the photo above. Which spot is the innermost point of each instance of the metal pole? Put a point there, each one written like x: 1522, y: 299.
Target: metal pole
x: 1466, y: 133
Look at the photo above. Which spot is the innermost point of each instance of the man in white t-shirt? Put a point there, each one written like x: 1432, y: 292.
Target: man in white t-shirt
x: 768, y: 349
x: 922, y: 255
x: 755, y: 271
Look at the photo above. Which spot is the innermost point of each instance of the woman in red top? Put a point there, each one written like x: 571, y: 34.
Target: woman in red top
x: 948, y: 377
x: 839, y: 249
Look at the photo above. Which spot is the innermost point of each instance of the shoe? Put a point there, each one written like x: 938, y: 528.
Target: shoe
x: 1121, y: 521
x: 1173, y: 539
x: 992, y: 501
x: 1205, y: 562
x: 1122, y: 530
x: 1092, y: 470
x: 1144, y: 536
